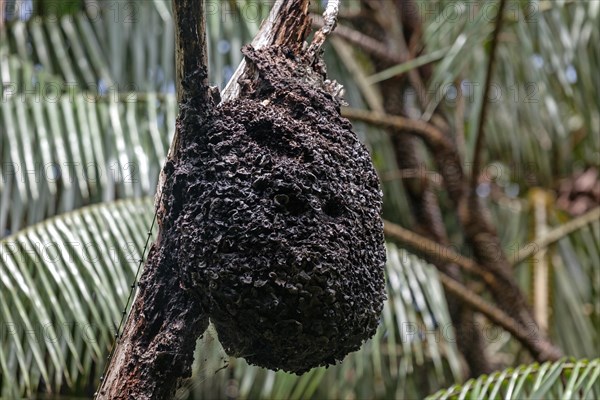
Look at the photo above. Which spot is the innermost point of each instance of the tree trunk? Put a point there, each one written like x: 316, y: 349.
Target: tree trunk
x: 157, y: 345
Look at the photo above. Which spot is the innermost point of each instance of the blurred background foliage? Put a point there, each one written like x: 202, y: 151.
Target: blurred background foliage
x: 87, y: 113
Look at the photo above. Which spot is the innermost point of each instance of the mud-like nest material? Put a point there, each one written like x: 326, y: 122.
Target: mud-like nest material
x: 282, y: 236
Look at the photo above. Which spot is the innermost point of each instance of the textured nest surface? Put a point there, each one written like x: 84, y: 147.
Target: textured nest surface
x: 281, y: 236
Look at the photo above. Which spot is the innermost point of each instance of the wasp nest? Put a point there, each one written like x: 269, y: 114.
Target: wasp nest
x: 282, y: 236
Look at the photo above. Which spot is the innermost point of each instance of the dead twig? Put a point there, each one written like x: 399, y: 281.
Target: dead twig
x: 330, y: 20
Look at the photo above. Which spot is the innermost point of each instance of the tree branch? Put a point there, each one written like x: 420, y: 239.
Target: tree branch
x: 428, y: 132
x: 541, y: 350
x: 157, y: 345
x: 432, y: 250
x: 191, y: 56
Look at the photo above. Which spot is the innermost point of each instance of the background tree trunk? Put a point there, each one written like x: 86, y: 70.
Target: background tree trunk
x: 396, y: 26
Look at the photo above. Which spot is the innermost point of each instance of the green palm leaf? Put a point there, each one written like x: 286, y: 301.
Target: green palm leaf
x: 63, y: 286
x: 545, y: 110
x: 566, y: 379
x: 67, y: 154
x: 117, y: 48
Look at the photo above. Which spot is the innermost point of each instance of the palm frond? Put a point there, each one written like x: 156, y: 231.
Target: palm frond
x: 566, y: 379
x: 118, y: 48
x: 545, y: 111
x: 66, y: 154
x: 62, y: 290
x: 88, y: 104
x: 114, y: 47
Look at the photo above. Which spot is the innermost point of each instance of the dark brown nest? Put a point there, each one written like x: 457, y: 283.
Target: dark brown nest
x: 281, y: 237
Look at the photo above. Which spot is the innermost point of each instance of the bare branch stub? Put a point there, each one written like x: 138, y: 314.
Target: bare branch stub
x: 329, y: 22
